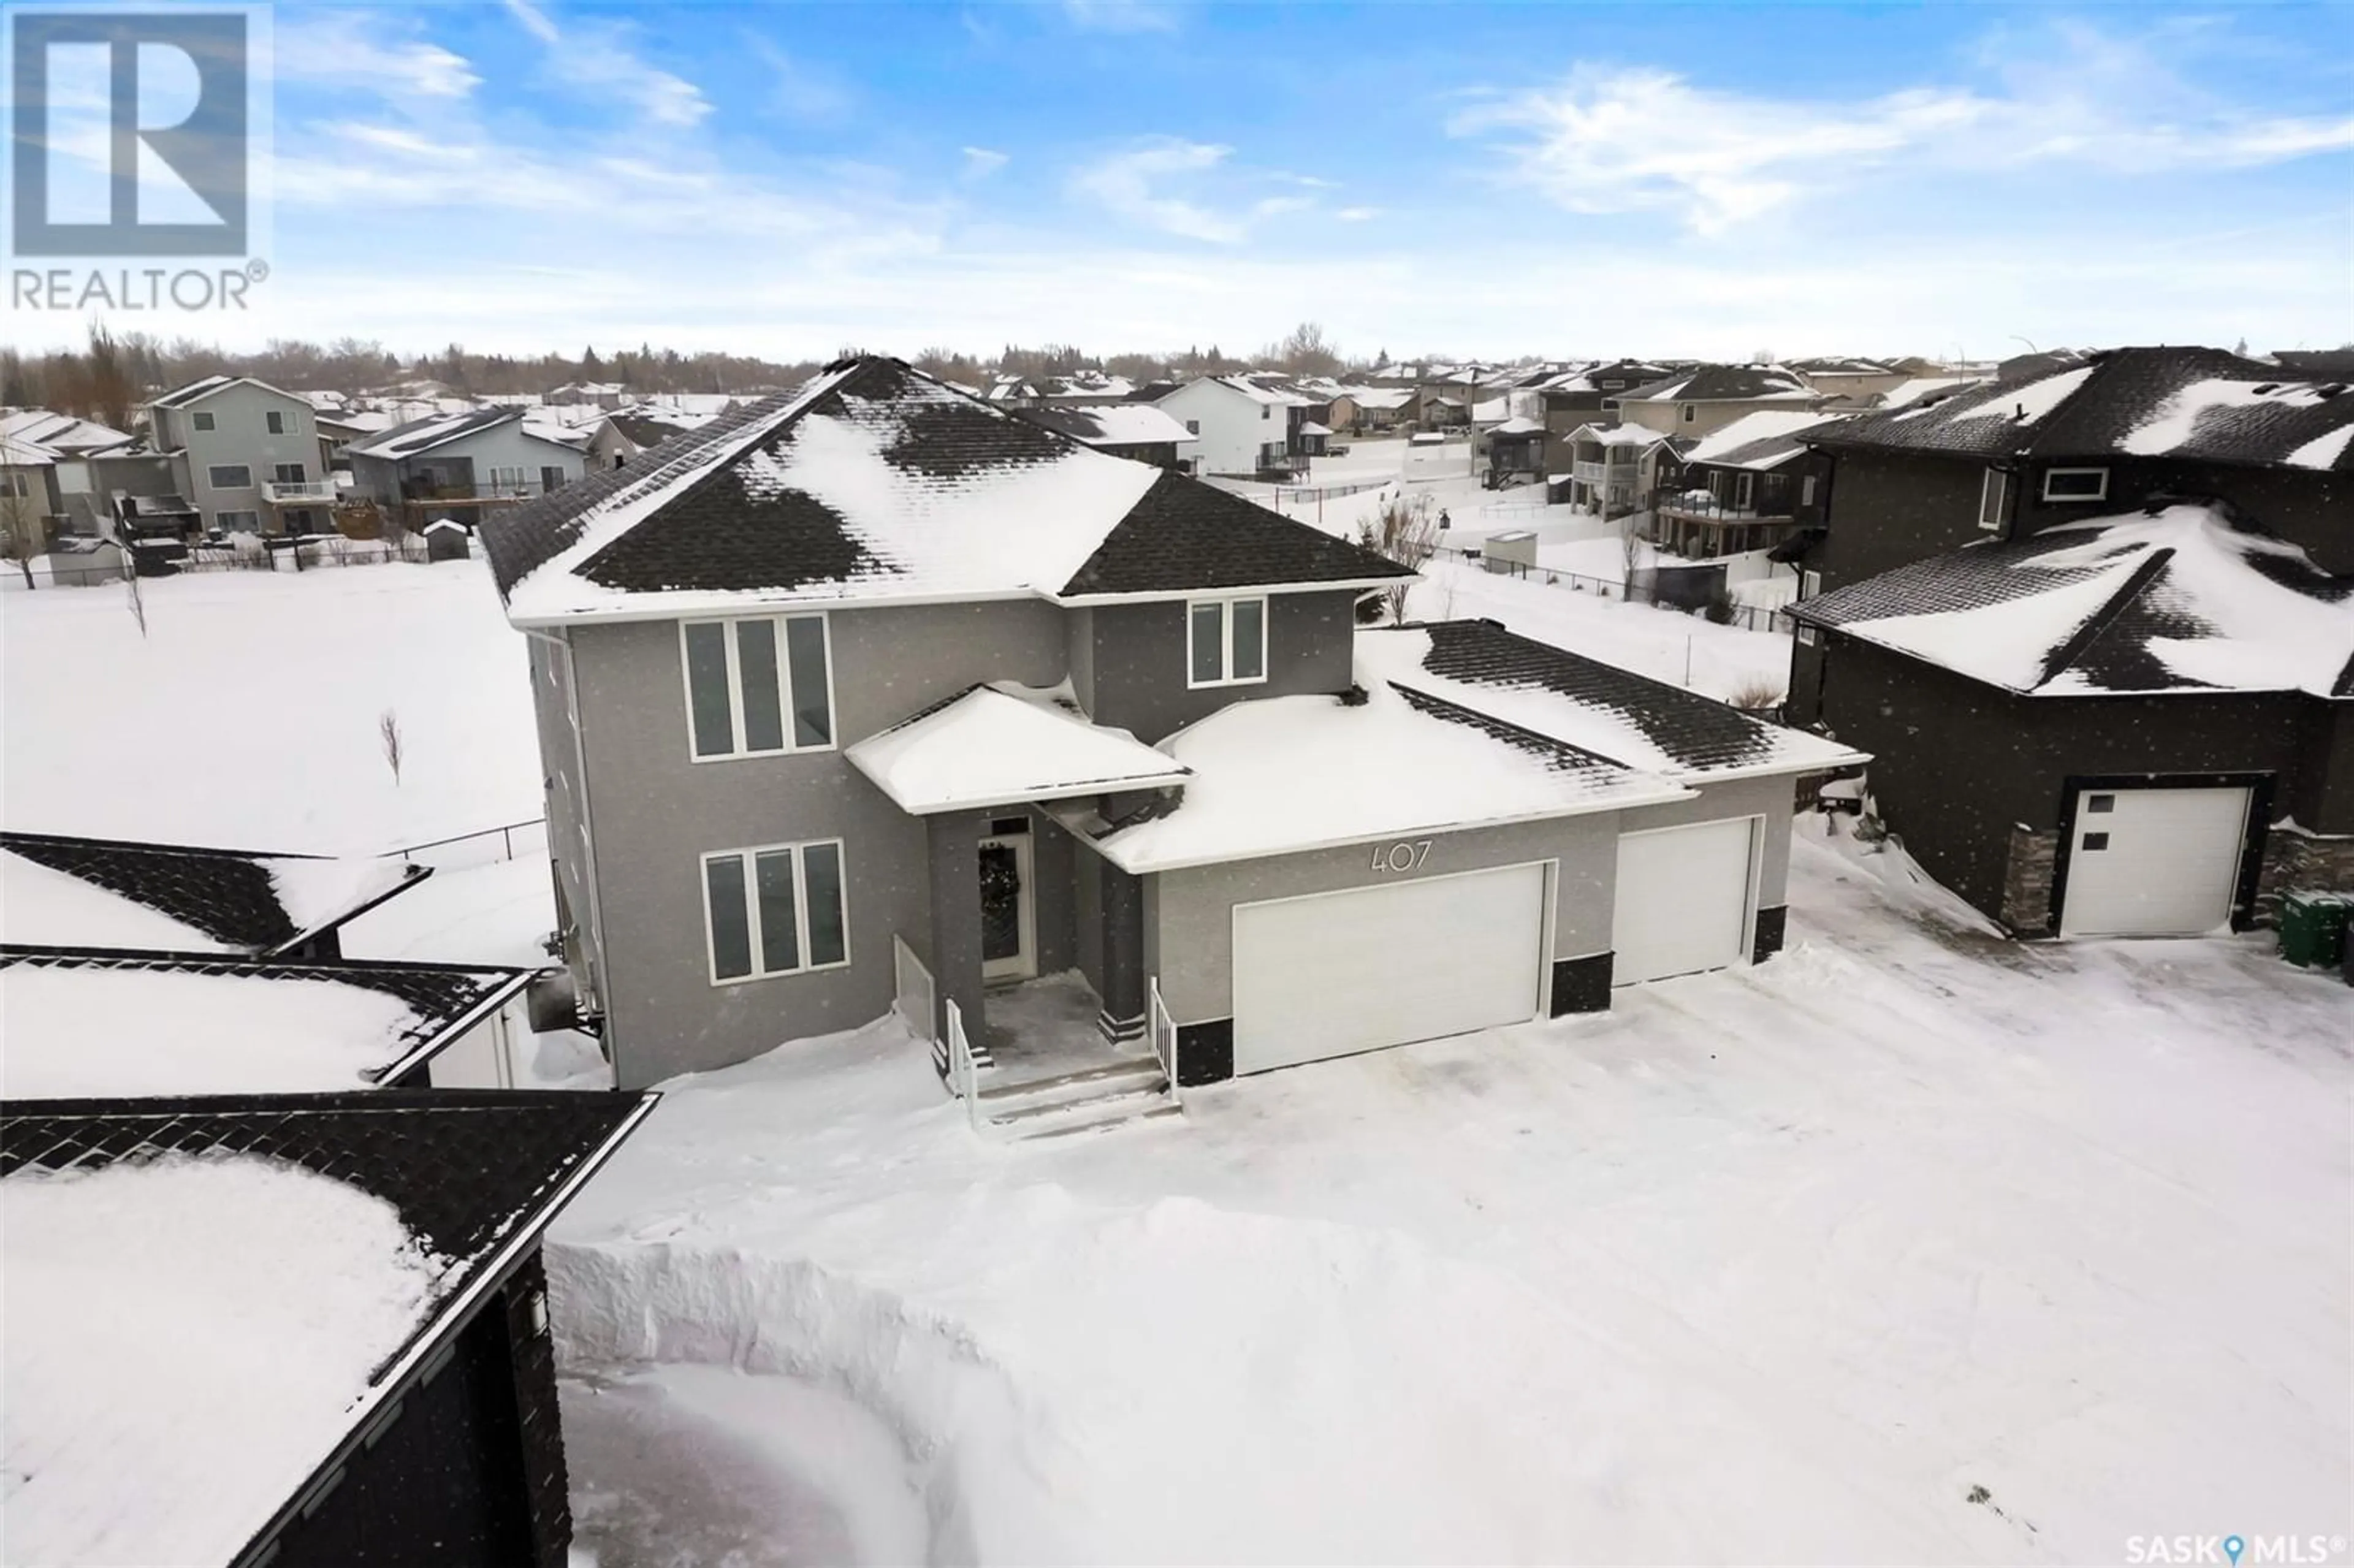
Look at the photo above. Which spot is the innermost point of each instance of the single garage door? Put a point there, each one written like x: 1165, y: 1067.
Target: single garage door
x: 1683, y: 900
x: 1342, y: 972
x: 2153, y: 863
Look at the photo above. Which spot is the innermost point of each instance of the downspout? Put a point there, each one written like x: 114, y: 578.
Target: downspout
x: 562, y: 642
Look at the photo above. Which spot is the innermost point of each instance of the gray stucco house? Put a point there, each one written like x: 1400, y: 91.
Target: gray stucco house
x: 461, y: 464
x: 246, y: 454
x: 875, y: 696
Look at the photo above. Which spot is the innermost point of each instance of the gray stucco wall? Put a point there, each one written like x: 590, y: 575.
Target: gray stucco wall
x: 1189, y: 926
x: 240, y: 434
x: 1079, y: 644
x: 1139, y: 668
x: 657, y: 813
x: 567, y: 846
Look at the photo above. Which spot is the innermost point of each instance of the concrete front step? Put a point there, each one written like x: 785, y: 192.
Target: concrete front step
x: 1105, y: 1123
x: 1124, y: 1098
x: 1138, y: 1069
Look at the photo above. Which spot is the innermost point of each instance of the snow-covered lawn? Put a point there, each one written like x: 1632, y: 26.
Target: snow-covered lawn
x: 1782, y: 1264
x: 248, y: 715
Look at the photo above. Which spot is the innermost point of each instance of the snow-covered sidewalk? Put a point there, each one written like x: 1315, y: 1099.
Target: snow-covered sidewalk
x: 1776, y: 1265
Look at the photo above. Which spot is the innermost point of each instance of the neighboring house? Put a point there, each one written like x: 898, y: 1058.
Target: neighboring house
x: 1574, y: 399
x: 91, y: 1023
x: 1749, y: 486
x: 1087, y: 386
x: 2132, y: 724
x: 618, y: 440
x: 29, y: 497
x: 1369, y: 410
x: 1699, y: 401
x: 593, y: 394
x: 1851, y: 382
x: 246, y: 453
x: 338, y: 431
x: 873, y: 697
x: 1243, y: 427
x: 461, y: 464
x: 1613, y: 469
x: 2104, y: 435
x: 1137, y: 431
x: 372, y: 1379
x: 62, y: 891
x: 1516, y: 453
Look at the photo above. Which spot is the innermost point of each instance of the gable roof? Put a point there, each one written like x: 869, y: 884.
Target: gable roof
x: 436, y: 430
x: 1765, y: 440
x: 366, y: 1229
x: 2178, y: 600
x: 205, y: 387
x: 643, y: 429
x: 1725, y: 384
x: 1003, y: 744
x: 2198, y: 404
x: 60, y: 890
x: 1111, y: 424
x: 873, y: 482
x: 87, y: 1021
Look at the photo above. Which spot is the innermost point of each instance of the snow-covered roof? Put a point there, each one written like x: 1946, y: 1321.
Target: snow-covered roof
x: 1725, y: 384
x: 61, y: 435
x: 1269, y: 390
x: 1904, y: 393
x: 1377, y: 397
x: 15, y: 451
x: 1765, y: 440
x: 1620, y: 435
x: 436, y: 430
x: 1520, y: 425
x: 2180, y: 601
x: 208, y: 1298
x: 2199, y: 404
x: 196, y: 391
x: 1112, y: 424
x: 875, y: 482
x: 95, y: 1025
x: 1004, y: 744
x: 74, y: 892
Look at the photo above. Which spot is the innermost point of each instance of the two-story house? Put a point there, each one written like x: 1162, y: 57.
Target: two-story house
x: 874, y: 696
x: 1751, y: 485
x: 1696, y: 402
x: 1243, y: 427
x: 461, y: 464
x: 1851, y: 381
x: 245, y: 454
x: 2097, y: 627
x: 1573, y: 398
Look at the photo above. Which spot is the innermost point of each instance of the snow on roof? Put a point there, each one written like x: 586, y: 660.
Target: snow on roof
x: 63, y: 435
x: 1597, y: 707
x: 40, y: 905
x: 1766, y: 424
x: 16, y: 451
x: 135, y: 1437
x: 2177, y: 422
x: 1492, y: 411
x: 1520, y: 425
x: 1111, y: 424
x: 1378, y: 397
x: 2180, y: 601
x: 1620, y: 435
x: 1262, y: 391
x: 2326, y: 449
x: 1724, y: 384
x: 1310, y: 427
x: 1905, y: 393
x: 1002, y: 744
x: 433, y: 430
x: 1277, y: 775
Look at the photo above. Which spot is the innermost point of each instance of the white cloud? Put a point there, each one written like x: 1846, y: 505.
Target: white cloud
x: 599, y: 60
x: 1129, y: 184
x: 803, y: 90
x: 1357, y: 214
x: 1625, y: 139
x: 980, y: 163
x: 343, y: 49
x: 1120, y: 16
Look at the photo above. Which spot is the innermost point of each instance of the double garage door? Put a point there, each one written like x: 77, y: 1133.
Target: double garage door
x: 2153, y: 863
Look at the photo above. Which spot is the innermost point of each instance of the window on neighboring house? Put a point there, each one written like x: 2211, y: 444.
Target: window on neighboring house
x: 1614, y: 387
x: 276, y: 423
x: 776, y: 910
x: 1807, y: 490
x: 1690, y: 412
x: 507, y: 479
x: 1265, y: 413
x: 1226, y: 642
x: 2075, y: 483
x: 1994, y: 493
x: 1193, y: 426
x: 1806, y: 636
x: 757, y: 686
x: 1809, y: 584
x: 229, y: 476
x: 201, y: 419
x: 1743, y: 490
x: 238, y: 521
x: 551, y: 477
x: 288, y: 474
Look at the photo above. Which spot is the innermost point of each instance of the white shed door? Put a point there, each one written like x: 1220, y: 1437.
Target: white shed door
x: 1683, y: 900
x: 1342, y: 972
x: 2153, y: 863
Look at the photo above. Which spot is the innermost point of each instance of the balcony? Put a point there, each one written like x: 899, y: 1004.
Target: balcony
x: 1702, y: 507
x: 299, y: 492
x: 1587, y: 472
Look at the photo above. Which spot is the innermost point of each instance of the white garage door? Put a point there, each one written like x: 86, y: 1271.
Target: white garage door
x: 1683, y: 900
x: 2153, y: 863
x: 1379, y: 966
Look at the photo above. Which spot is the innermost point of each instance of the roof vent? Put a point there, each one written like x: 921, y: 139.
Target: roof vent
x: 2266, y: 387
x: 2332, y: 390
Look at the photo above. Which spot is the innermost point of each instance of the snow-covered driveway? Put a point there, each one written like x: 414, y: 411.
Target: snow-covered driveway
x: 1775, y: 1264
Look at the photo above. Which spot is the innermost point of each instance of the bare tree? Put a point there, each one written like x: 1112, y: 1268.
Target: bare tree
x: 21, y: 532
x: 1307, y: 352
x: 1401, y: 532
x: 388, y: 729
x: 1630, y: 552
x: 130, y: 583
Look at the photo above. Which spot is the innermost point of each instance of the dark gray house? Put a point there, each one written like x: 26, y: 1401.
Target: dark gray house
x: 1126, y: 430
x: 2135, y: 725
x: 375, y: 1382
x: 874, y: 696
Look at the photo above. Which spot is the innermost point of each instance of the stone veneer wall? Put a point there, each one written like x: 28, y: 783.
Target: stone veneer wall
x: 2027, y: 881
x: 2294, y: 859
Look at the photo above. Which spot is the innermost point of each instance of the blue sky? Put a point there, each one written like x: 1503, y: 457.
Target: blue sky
x: 1562, y: 179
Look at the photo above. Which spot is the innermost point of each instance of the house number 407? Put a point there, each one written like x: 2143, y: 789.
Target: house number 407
x: 1403, y: 855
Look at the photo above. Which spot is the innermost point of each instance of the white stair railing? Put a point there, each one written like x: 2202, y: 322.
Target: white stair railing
x: 962, y: 1074
x: 1163, y: 1032
x: 911, y: 994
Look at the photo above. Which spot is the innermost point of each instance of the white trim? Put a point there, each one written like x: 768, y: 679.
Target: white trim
x: 738, y: 750
x: 1810, y: 584
x: 2100, y: 494
x: 491, y: 1005
x: 1996, y: 485
x: 749, y: 858
x: 1024, y: 964
x: 722, y: 603
x: 1808, y: 637
x: 1225, y: 603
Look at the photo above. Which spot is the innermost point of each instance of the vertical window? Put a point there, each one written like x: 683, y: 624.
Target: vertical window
x: 1226, y: 642
x: 507, y: 478
x: 201, y: 419
x: 1993, y: 492
x: 777, y: 910
x: 288, y: 474
x: 551, y: 479
x: 276, y: 423
x: 746, y: 677
x: 1809, y: 584
x: 1689, y: 412
x: 1807, y: 490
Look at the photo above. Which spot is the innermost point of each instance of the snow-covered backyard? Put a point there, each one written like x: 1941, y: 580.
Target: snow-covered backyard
x: 1783, y: 1264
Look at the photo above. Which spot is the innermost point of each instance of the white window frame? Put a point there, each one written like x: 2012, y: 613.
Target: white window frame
x: 1225, y: 603
x: 750, y: 857
x: 1994, y: 499
x: 1807, y: 490
x: 1690, y: 413
x: 202, y: 419
x: 736, y: 687
x: 1810, y: 584
x: 278, y: 474
x: 214, y: 471
x: 2100, y: 491
x: 508, y: 476
x: 1745, y: 490
x: 1806, y: 636
x: 274, y: 421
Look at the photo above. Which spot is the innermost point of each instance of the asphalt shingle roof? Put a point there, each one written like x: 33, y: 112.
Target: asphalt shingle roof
x: 1724, y: 384
x: 1187, y: 535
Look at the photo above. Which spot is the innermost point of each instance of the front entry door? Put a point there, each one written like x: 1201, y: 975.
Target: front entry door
x: 1009, y: 949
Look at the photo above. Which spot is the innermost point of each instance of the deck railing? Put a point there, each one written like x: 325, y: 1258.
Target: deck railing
x: 1163, y: 1032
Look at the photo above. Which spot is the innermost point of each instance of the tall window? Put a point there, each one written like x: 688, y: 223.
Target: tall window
x: 1807, y: 490
x: 777, y: 910
x: 230, y: 476
x: 1226, y: 642
x: 276, y: 423
x: 1994, y: 491
x: 1809, y: 584
x: 757, y: 686
x: 550, y: 478
x: 288, y: 474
